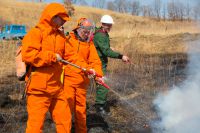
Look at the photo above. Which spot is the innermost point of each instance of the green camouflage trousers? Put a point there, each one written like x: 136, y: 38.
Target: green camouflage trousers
x: 101, y: 93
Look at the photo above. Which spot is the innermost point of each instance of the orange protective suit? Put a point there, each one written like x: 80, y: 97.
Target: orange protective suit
x: 44, y: 89
x: 76, y: 82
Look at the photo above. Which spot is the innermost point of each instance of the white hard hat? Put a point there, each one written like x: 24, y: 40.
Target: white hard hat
x: 107, y: 19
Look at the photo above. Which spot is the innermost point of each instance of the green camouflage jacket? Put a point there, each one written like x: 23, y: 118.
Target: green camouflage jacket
x: 102, y: 44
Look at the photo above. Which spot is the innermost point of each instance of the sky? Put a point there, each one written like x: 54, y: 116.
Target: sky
x: 192, y: 2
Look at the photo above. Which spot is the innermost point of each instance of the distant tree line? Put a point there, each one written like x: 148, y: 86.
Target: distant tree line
x: 173, y: 10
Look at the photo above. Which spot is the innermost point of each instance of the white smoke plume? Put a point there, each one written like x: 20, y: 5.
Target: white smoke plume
x: 179, y: 109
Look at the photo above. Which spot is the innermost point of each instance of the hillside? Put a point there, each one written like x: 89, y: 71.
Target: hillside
x: 141, y: 32
x: 28, y: 13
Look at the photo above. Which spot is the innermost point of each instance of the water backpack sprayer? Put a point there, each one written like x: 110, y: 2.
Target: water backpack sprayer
x: 89, y: 72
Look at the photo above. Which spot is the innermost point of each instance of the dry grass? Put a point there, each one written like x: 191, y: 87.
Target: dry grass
x: 127, y: 26
x: 145, y: 35
x: 8, y: 61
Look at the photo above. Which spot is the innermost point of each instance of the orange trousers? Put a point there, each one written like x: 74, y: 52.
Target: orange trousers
x: 76, y: 97
x: 39, y: 104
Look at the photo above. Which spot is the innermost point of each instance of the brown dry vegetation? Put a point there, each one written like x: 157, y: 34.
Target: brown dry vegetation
x: 158, y: 52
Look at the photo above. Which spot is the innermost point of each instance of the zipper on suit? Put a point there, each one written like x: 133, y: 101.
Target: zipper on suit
x: 78, y: 46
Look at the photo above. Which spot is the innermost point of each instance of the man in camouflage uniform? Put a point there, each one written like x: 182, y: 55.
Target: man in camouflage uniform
x: 102, y: 44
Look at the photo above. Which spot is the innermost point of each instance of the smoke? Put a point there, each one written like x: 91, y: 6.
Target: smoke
x: 179, y: 109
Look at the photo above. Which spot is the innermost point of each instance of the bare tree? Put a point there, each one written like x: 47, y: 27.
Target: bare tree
x: 157, y: 9
x: 188, y: 11
x: 99, y: 3
x: 111, y: 6
x: 121, y: 5
x: 147, y: 11
x: 171, y: 10
x: 67, y: 2
x: 70, y: 8
x: 181, y: 11
x: 79, y: 2
x: 177, y: 11
x: 196, y: 11
x: 135, y: 8
x: 164, y: 12
x: 74, y: 1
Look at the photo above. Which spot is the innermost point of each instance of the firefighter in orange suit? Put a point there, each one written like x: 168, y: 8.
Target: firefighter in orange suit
x: 42, y: 49
x: 76, y: 81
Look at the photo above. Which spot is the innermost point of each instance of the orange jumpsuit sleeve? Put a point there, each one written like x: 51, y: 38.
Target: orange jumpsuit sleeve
x: 32, y: 52
x: 94, y: 60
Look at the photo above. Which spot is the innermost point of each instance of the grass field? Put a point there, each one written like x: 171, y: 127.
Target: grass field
x: 158, y: 52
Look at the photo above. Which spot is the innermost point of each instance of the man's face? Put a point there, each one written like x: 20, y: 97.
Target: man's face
x: 106, y: 27
x: 84, y: 33
x: 57, y: 21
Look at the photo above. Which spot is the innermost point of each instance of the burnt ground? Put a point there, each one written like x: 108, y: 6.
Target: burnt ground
x: 133, y: 88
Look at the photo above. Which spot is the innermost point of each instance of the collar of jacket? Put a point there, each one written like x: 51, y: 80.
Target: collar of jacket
x: 101, y: 30
x: 77, y: 36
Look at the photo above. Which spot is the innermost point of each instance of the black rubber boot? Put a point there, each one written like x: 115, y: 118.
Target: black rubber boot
x: 101, y: 109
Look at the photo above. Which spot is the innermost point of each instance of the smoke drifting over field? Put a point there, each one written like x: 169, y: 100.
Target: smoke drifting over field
x: 179, y: 109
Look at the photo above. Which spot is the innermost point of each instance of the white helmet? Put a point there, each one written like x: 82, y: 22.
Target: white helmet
x: 107, y: 19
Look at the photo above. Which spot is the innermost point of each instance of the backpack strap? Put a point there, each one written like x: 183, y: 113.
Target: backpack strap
x: 29, y: 70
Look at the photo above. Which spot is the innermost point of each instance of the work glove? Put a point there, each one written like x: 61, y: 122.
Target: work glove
x: 125, y: 59
x: 91, y: 72
x: 100, y: 80
x: 58, y: 57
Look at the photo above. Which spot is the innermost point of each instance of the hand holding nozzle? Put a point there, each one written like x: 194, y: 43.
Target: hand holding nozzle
x: 125, y: 59
x: 92, y: 72
x: 98, y: 78
x: 100, y: 81
x: 58, y: 57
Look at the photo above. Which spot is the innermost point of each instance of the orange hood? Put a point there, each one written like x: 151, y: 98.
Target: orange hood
x: 49, y: 12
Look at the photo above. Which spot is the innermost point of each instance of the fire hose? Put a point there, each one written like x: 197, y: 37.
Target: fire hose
x: 89, y: 72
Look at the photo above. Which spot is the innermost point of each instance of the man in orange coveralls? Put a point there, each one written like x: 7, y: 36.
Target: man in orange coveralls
x: 42, y: 49
x: 76, y: 81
